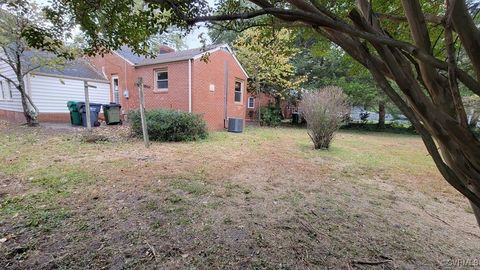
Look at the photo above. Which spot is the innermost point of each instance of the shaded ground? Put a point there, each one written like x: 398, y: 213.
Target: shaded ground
x: 259, y: 200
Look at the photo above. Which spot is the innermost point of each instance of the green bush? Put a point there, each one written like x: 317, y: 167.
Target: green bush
x: 389, y: 128
x: 169, y: 125
x: 270, y: 116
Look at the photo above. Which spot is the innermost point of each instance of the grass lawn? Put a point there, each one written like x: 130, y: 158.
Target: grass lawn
x: 263, y: 199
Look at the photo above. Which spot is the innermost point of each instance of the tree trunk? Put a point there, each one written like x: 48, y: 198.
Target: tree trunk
x: 475, y: 208
x: 381, y: 114
x: 30, y: 111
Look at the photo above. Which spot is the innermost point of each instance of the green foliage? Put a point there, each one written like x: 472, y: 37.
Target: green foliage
x: 270, y: 116
x: 324, y: 64
x: 395, y: 127
x: 266, y: 54
x: 24, y: 26
x: 169, y: 125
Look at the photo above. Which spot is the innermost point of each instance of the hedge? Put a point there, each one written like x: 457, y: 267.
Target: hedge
x: 169, y: 125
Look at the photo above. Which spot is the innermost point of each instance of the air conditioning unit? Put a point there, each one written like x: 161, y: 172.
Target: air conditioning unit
x: 235, y: 125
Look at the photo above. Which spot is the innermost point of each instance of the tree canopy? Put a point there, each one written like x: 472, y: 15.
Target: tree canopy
x: 266, y: 54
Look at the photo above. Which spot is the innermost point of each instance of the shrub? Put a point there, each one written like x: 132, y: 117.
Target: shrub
x: 324, y: 112
x: 270, y: 116
x: 169, y: 125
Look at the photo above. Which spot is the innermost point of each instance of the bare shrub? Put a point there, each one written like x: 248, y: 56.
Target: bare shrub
x: 324, y: 111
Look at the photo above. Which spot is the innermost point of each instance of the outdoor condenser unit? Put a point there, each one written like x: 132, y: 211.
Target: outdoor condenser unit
x: 235, y: 125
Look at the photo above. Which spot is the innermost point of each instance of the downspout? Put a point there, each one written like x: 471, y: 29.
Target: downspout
x: 225, y: 81
x: 126, y: 86
x: 189, y: 85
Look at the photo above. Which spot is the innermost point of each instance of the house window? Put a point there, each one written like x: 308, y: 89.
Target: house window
x: 251, y: 102
x: 162, y: 79
x: 6, y: 90
x: 238, y: 91
x: 2, y: 88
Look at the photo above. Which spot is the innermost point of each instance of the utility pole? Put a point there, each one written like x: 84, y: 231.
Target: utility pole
x: 87, y: 104
x: 142, y: 112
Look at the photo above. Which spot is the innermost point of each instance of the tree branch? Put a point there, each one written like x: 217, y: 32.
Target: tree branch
x: 468, y: 32
x: 321, y: 20
x: 395, y: 18
x: 9, y: 80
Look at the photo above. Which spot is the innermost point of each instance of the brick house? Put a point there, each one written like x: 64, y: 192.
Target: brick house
x: 180, y: 80
x: 257, y: 101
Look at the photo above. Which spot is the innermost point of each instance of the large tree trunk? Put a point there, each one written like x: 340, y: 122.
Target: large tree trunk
x: 437, y: 114
x: 381, y: 114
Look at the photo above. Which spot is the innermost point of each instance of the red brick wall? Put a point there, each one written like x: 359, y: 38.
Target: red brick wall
x: 264, y: 100
x: 261, y: 100
x: 15, y: 117
x: 176, y: 97
x: 113, y: 64
x: 211, y: 103
x: 18, y: 117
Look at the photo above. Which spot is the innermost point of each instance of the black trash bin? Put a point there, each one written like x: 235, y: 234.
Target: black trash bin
x: 295, y: 118
x: 112, y: 113
x: 94, y: 111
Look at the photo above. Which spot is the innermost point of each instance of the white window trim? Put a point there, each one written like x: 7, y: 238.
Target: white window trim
x: 241, y: 92
x: 155, y: 76
x: 6, y: 91
x: 113, y: 89
x: 2, y: 86
x: 248, y: 102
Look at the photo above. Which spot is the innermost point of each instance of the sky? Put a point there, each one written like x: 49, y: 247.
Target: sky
x: 192, y: 40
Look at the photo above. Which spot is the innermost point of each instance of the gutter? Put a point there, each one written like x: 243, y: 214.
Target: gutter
x: 33, y: 73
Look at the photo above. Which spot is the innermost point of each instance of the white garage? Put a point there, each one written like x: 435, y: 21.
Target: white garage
x: 50, y: 89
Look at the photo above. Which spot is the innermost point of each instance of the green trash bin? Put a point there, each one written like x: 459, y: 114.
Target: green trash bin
x: 112, y: 113
x: 75, y: 115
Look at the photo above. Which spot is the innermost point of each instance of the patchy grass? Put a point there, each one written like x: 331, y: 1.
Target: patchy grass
x: 263, y: 199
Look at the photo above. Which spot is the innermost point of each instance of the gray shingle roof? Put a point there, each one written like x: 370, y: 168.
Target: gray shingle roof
x: 128, y: 54
x: 163, y: 57
x: 79, y: 68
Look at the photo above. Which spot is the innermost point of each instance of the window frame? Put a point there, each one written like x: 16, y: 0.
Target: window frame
x: 2, y: 87
x: 6, y: 89
x: 10, y: 92
x: 156, y: 72
x: 235, y: 91
x: 253, y: 102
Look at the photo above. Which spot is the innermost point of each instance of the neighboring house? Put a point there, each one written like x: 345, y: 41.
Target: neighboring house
x: 180, y: 80
x: 254, y: 102
x: 50, y: 89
